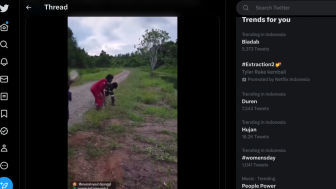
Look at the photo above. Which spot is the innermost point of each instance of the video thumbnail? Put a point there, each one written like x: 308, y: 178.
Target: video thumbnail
x: 122, y: 102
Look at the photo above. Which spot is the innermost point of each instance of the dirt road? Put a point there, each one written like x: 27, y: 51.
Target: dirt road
x: 83, y: 100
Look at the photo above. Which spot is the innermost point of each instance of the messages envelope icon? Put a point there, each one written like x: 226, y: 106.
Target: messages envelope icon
x: 3, y: 79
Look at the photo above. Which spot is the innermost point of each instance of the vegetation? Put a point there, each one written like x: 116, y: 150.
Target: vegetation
x: 79, y: 58
x: 152, y: 42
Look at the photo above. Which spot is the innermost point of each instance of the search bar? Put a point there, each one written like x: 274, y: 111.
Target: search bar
x: 294, y: 8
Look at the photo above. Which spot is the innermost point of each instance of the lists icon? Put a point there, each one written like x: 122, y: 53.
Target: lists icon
x: 3, y: 96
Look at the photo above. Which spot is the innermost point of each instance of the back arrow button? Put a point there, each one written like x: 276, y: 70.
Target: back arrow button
x: 28, y: 7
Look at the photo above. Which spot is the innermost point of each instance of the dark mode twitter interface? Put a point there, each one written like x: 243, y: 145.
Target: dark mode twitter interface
x: 285, y: 95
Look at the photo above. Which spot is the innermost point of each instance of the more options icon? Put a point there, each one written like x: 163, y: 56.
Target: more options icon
x: 3, y: 165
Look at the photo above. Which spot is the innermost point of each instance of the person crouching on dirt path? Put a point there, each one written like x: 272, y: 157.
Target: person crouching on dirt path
x: 110, y: 80
x: 69, y: 97
x: 97, y: 90
x: 109, y: 91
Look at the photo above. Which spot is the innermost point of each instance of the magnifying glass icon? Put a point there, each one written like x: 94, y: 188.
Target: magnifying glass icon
x: 3, y: 44
x: 245, y: 7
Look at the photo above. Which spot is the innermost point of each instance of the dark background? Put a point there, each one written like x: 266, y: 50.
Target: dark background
x: 46, y: 139
x: 306, y: 51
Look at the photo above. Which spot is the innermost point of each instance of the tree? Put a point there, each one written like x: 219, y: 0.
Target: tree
x: 156, y: 42
x: 150, y: 44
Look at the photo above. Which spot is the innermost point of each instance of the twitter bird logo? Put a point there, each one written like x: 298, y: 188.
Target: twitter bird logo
x: 3, y: 8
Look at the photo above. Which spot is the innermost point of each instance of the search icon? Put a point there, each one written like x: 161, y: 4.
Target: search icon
x: 3, y: 44
x: 245, y: 7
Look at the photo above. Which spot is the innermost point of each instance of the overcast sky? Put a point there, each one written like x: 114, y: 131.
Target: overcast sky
x: 116, y: 35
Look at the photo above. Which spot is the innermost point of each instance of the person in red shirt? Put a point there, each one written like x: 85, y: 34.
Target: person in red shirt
x: 97, y: 90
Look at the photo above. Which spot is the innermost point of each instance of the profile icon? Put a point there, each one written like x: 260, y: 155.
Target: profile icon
x: 4, y: 149
x: 74, y: 184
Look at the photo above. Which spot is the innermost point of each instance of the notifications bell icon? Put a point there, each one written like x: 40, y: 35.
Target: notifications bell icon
x: 4, y: 62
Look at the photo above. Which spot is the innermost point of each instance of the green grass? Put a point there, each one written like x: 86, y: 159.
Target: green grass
x: 136, y: 118
x: 145, y: 139
x: 168, y: 88
x: 138, y: 97
x: 130, y: 96
x: 71, y: 152
x: 166, y: 132
x: 161, y: 151
x: 167, y: 70
x: 172, y: 102
x: 167, y: 185
x: 114, y: 145
x: 94, y: 74
x: 115, y: 129
x: 175, y: 136
x: 157, y: 153
x: 140, y: 89
x: 70, y: 181
x: 161, y: 112
x: 94, y: 117
x: 94, y: 152
x: 149, y: 97
x: 79, y: 127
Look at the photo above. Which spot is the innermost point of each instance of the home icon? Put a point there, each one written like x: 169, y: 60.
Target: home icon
x: 4, y: 27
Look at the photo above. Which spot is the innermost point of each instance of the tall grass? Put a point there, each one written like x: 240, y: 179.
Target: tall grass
x: 162, y: 70
x: 167, y: 70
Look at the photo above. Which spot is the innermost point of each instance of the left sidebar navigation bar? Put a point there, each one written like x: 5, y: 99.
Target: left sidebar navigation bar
x: 9, y: 94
